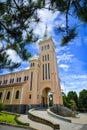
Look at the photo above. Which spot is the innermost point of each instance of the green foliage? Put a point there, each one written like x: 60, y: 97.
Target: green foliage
x: 1, y: 106
x: 83, y: 99
x: 18, y: 16
x: 81, y: 10
x: 71, y: 35
x: 76, y: 102
x: 73, y: 105
x: 61, y: 5
x: 50, y: 102
x: 72, y: 95
x: 66, y: 101
x: 4, y: 117
x: 71, y: 100
x: 11, y: 118
x: 70, y: 8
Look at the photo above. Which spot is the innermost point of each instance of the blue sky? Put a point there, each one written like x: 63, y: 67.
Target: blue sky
x: 72, y: 59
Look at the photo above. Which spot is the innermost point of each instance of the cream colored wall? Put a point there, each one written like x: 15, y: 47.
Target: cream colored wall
x: 13, y: 87
x: 54, y: 83
x: 35, y: 82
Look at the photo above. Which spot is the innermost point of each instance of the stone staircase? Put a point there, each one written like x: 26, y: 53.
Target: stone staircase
x: 42, y: 116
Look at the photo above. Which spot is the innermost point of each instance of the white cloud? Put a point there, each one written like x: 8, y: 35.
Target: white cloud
x: 65, y: 57
x: 13, y: 56
x: 46, y: 17
x: 64, y: 67
x: 74, y: 82
x: 61, y: 49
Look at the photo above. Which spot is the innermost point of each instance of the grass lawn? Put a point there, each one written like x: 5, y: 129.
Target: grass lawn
x: 8, y: 118
x: 11, y: 118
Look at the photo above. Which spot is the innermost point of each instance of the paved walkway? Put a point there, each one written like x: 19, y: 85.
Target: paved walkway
x: 39, y: 126
x: 77, y: 123
x: 82, y: 119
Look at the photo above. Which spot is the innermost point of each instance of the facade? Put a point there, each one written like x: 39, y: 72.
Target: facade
x: 30, y: 87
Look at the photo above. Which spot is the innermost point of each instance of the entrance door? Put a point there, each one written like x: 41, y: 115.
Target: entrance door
x: 45, y: 97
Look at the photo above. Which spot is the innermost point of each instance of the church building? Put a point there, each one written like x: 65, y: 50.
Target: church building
x: 31, y: 87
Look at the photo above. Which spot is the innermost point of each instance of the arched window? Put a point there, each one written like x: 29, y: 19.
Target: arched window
x: 25, y: 78
x: 20, y: 79
x: 0, y: 95
x: 48, y: 46
x: 42, y: 58
x: 17, y: 94
x: 33, y: 64
x: 42, y: 48
x: 48, y: 56
x: 45, y: 57
x: 8, y: 95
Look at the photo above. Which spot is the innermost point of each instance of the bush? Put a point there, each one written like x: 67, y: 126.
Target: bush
x: 1, y: 106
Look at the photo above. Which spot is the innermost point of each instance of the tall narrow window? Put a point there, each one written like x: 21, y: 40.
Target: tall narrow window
x: 48, y: 46
x: 33, y: 64
x: 20, y: 79
x: 25, y: 78
x: 48, y: 70
x: 42, y: 48
x: 31, y: 81
x: 8, y: 95
x: 45, y: 47
x: 43, y: 71
x: 17, y: 94
x: 48, y: 57
x: 0, y: 95
x: 45, y: 58
x: 13, y: 80
x: 6, y: 81
x: 42, y: 58
x: 17, y: 80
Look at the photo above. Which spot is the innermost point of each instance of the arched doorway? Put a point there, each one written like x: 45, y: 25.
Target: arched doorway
x: 46, y: 97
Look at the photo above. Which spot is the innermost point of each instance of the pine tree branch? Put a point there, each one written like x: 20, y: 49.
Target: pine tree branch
x: 67, y: 13
x: 16, y: 4
x: 3, y: 25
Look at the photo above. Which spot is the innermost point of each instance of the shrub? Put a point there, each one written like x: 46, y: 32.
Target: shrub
x: 1, y: 106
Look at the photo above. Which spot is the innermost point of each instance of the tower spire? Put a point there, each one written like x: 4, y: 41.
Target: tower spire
x: 46, y: 34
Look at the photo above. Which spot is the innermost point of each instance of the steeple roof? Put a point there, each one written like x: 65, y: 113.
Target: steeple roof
x: 46, y: 34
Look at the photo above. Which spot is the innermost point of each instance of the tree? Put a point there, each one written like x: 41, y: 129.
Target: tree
x: 72, y: 95
x: 18, y: 16
x: 83, y: 99
x: 70, y: 8
x: 73, y: 107
x: 66, y: 102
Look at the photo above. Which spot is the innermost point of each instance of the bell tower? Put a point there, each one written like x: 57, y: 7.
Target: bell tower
x: 49, y: 77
